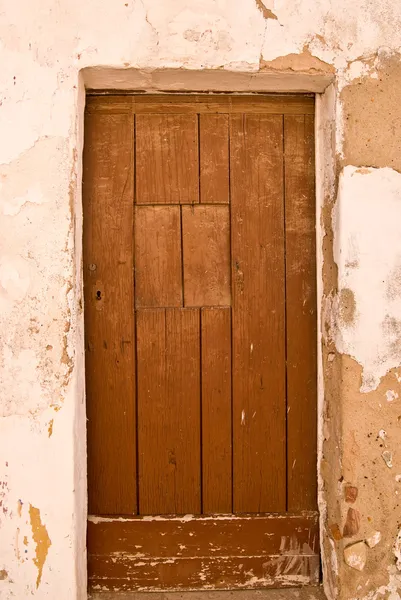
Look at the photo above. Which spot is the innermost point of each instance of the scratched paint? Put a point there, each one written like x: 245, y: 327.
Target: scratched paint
x: 244, y: 552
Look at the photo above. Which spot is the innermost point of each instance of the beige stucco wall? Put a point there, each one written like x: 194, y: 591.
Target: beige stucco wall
x: 242, y: 44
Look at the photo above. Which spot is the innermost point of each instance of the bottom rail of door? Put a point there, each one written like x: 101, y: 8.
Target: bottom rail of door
x: 190, y: 552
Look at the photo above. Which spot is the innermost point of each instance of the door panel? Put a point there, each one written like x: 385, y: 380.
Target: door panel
x: 216, y: 410
x: 167, y: 170
x: 214, y: 176
x: 170, y: 553
x: 200, y: 308
x: 168, y: 355
x: 158, y: 272
x: 301, y: 312
x: 206, y: 255
x: 109, y: 289
x: 257, y: 255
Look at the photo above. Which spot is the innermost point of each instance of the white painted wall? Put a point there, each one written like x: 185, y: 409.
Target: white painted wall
x: 43, y: 46
x: 367, y: 249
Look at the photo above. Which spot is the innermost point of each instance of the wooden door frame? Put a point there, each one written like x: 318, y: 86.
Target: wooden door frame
x: 196, y: 81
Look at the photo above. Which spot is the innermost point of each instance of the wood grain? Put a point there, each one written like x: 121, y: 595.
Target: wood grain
x: 257, y: 238
x: 216, y: 410
x: 202, y: 573
x: 204, y: 553
x: 285, y: 104
x: 214, y: 158
x: 206, y: 250
x: 168, y: 363
x: 301, y: 312
x: 228, y: 104
x: 204, y: 293
x: 109, y: 324
x: 167, y: 170
x: 235, y: 534
x: 158, y: 271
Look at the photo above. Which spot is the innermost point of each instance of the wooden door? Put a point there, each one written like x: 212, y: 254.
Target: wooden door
x: 200, y: 313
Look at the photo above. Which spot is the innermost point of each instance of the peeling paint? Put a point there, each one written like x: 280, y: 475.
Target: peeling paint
x: 391, y: 395
x: 356, y: 45
x: 266, y: 12
x: 374, y: 141
x: 41, y: 539
x: 367, y: 229
x: 397, y: 551
x: 347, y: 306
x: 304, y: 62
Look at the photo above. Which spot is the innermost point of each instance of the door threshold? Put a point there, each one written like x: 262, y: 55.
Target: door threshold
x: 304, y: 593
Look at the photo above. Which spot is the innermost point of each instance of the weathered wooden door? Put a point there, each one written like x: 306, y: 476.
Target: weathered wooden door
x: 200, y: 312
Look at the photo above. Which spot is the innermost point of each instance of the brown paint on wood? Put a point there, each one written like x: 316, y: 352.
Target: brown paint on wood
x: 202, y: 573
x: 206, y: 249
x: 109, y: 324
x: 113, y: 103
x: 187, y: 104
x: 203, y: 103
x: 167, y: 169
x: 204, y: 553
x: 189, y: 536
x: 186, y: 438
x: 158, y: 256
x: 214, y: 159
x: 257, y: 242
x: 206, y: 103
x: 168, y: 364
x: 216, y: 410
x: 301, y: 312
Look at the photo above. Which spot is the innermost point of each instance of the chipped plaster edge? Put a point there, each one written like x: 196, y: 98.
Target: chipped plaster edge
x: 325, y: 120
x: 147, y: 81
x: 79, y: 424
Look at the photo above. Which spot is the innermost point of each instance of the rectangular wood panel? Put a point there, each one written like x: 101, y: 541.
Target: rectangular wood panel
x: 204, y: 553
x: 206, y: 249
x: 167, y: 169
x: 213, y: 151
x: 109, y: 323
x: 184, y: 104
x: 257, y: 238
x: 158, y: 256
x: 219, y: 103
x: 216, y: 410
x: 168, y: 363
x: 301, y: 312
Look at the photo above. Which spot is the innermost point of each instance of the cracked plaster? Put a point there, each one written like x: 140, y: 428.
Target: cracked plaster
x: 43, y: 49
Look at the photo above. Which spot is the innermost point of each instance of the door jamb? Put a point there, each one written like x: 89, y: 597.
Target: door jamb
x: 145, y: 81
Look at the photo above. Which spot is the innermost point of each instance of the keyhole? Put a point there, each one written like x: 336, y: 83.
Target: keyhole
x: 98, y: 295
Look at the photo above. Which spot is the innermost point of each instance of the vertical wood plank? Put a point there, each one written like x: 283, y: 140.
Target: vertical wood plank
x: 168, y: 354
x: 206, y: 249
x: 158, y: 271
x: 214, y: 163
x: 109, y: 324
x: 216, y: 410
x: 167, y: 168
x: 301, y: 312
x: 257, y: 238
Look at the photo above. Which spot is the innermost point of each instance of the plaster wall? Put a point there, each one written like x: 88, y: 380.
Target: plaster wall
x: 49, y: 51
